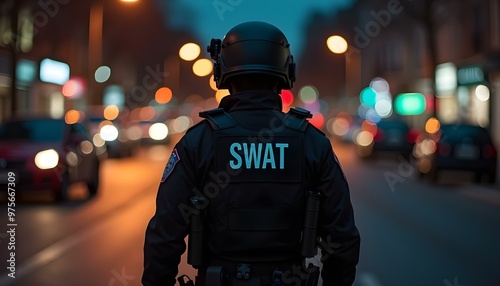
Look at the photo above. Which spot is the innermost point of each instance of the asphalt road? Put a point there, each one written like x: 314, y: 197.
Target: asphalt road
x: 413, y: 232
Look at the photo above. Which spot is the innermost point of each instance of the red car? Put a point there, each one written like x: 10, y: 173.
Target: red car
x: 48, y: 154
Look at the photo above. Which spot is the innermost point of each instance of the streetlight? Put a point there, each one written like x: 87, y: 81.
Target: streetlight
x: 96, y: 18
x: 338, y: 45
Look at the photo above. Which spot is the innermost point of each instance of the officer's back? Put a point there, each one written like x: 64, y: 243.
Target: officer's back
x: 251, y: 168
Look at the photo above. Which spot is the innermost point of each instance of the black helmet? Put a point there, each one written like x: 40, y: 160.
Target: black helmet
x: 252, y: 48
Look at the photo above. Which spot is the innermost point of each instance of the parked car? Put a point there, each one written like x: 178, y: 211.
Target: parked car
x: 48, y: 154
x: 461, y: 147
x: 115, y: 134
x: 391, y: 137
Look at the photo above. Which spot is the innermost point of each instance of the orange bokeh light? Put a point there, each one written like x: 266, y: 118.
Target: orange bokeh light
x: 147, y: 113
x: 163, y: 95
x: 72, y: 116
x: 111, y: 112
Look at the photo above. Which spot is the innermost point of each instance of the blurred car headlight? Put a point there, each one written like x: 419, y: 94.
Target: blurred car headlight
x: 98, y: 141
x: 109, y: 133
x: 72, y: 159
x: 158, y: 131
x: 86, y: 147
x: 46, y: 159
x: 364, y: 138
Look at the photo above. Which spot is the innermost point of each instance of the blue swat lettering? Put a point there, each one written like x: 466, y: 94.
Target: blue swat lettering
x: 258, y: 155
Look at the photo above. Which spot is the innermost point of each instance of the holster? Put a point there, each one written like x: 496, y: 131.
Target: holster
x: 312, y: 276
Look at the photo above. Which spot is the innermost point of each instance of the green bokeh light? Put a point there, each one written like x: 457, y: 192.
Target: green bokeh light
x: 308, y: 94
x: 409, y: 104
x: 368, y: 96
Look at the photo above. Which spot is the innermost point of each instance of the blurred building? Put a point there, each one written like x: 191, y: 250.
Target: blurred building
x: 91, y: 48
x: 447, y: 50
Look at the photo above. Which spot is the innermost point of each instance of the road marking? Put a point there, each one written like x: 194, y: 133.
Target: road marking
x: 59, y: 248
x: 55, y: 250
x: 484, y: 194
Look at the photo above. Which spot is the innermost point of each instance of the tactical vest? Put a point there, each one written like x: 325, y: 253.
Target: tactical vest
x: 258, y: 212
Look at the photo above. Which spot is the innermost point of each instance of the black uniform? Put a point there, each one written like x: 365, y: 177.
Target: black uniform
x: 255, y: 176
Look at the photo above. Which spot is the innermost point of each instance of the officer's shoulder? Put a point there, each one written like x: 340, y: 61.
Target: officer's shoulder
x: 198, y: 127
x: 315, y: 130
x: 303, y: 114
x: 203, y: 124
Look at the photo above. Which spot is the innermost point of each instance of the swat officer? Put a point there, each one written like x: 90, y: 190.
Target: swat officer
x: 247, y: 170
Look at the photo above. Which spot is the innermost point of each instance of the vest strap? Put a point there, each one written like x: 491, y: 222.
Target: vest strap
x: 296, y: 118
x: 218, y: 118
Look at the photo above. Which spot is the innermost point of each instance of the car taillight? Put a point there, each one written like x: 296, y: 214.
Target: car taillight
x: 489, y: 151
x: 412, y: 136
x: 379, y: 135
x: 443, y: 149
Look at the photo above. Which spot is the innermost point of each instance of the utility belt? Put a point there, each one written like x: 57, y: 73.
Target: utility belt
x: 227, y: 273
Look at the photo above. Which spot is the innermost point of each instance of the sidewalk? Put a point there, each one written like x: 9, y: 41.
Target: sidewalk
x: 489, y: 194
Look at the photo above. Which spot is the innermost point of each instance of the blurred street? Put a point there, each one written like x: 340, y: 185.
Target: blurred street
x: 413, y: 232
x: 98, y: 92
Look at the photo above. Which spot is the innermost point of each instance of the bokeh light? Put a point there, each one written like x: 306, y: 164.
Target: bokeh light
x: 102, y: 74
x: 72, y: 116
x: 73, y: 88
x: 109, y: 132
x: 98, y: 141
x: 147, y: 113
x: 212, y: 83
x: 313, y: 107
x: 111, y: 112
x: 482, y: 92
x: 158, y: 131
x: 372, y: 115
x: 338, y: 126
x: 337, y: 44
x: 181, y: 124
x: 163, y: 95
x: 318, y: 120
x: 308, y: 94
x: 202, y: 67
x: 383, y: 107
x: 189, y: 51
x: 368, y: 96
x: 221, y: 93
x: 364, y: 138
x: 432, y: 125
x: 287, y: 97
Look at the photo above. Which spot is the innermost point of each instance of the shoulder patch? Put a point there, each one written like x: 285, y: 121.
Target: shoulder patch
x: 172, y: 161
